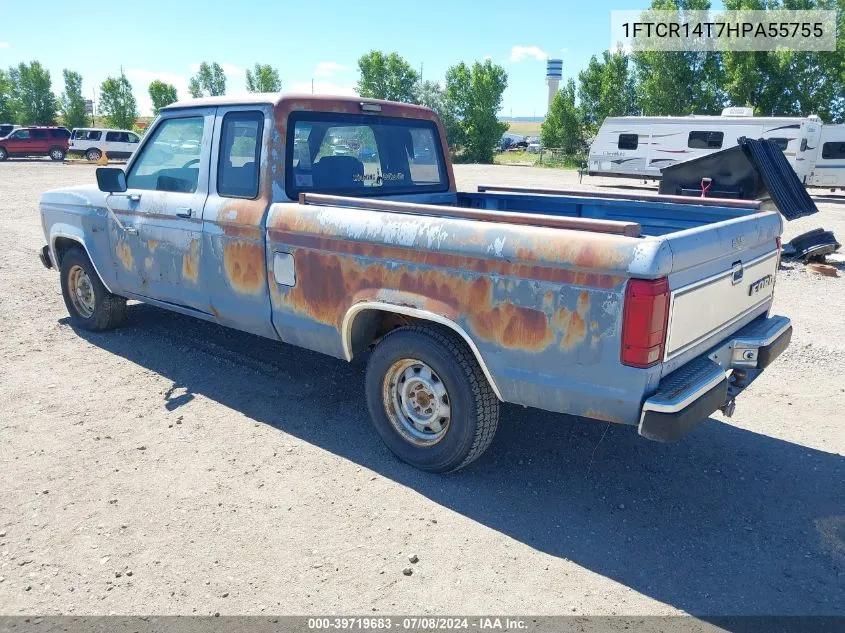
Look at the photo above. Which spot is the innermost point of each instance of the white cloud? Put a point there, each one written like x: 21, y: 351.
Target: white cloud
x: 322, y: 88
x: 518, y: 53
x: 4, y: 44
x: 328, y: 69
x: 486, y: 57
x: 231, y: 69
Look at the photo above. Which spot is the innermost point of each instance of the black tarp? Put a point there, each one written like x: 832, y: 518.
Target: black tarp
x: 753, y: 170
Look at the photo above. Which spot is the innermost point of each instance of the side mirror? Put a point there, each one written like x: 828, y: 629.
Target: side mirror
x: 111, y: 179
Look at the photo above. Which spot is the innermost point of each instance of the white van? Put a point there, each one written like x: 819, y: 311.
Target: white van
x: 639, y: 147
x: 828, y: 169
x: 92, y: 142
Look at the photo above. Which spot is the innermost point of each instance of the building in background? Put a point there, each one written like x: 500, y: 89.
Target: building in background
x: 554, y: 74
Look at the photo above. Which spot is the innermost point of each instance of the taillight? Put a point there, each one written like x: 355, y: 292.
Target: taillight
x: 644, y: 321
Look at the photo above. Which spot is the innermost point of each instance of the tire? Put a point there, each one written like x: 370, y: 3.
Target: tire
x: 3, y: 154
x: 56, y: 154
x: 90, y: 305
x: 93, y: 154
x: 467, y: 417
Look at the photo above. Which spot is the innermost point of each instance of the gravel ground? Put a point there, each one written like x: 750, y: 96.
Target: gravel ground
x: 175, y: 467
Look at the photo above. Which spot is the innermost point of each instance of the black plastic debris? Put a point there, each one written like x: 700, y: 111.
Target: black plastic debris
x: 813, y: 245
x: 752, y: 170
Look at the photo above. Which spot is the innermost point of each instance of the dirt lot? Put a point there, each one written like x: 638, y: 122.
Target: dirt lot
x: 173, y: 466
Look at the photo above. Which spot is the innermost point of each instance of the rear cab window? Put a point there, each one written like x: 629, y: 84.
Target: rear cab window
x: 240, y: 154
x: 363, y: 155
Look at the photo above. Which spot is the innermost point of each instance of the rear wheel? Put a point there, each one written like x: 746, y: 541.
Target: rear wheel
x: 89, y: 304
x: 93, y: 154
x: 3, y: 154
x: 56, y: 153
x: 429, y: 400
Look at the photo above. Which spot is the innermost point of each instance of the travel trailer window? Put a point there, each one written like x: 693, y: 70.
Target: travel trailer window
x: 782, y: 143
x: 803, y: 145
x: 628, y: 141
x: 705, y: 140
x: 833, y: 150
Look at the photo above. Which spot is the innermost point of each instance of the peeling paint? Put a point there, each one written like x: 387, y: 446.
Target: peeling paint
x: 190, y: 261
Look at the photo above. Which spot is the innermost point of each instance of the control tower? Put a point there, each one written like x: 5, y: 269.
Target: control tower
x: 554, y: 74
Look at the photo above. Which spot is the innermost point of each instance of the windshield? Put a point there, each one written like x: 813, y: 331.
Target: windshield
x: 349, y: 154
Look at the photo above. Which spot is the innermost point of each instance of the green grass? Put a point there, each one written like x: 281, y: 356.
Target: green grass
x: 525, y: 128
x: 547, y: 159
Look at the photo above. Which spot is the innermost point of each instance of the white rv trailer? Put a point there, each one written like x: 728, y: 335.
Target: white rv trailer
x: 639, y: 147
x: 827, y: 169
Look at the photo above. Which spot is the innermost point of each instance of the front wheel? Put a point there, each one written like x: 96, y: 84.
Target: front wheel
x: 429, y: 400
x: 57, y: 154
x: 3, y: 154
x: 89, y: 304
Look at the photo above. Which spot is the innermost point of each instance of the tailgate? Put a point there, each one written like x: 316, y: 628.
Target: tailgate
x: 723, y: 275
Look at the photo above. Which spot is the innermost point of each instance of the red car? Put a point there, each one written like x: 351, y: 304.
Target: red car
x: 36, y: 141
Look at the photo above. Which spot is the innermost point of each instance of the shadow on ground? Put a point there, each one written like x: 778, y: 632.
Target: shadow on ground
x: 726, y: 522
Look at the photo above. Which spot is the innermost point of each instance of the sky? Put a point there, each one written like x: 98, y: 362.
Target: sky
x: 319, y: 40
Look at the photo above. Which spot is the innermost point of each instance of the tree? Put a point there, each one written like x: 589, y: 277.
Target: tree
x: 431, y: 95
x: 477, y: 97
x: 210, y: 81
x: 34, y: 101
x: 605, y: 88
x: 679, y: 82
x: 264, y: 78
x: 562, y: 128
x: 117, y: 103
x: 7, y: 96
x: 72, y: 103
x: 161, y: 94
x: 386, y: 77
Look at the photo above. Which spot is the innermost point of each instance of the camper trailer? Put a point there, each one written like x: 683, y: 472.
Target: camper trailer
x: 827, y: 169
x: 639, y: 147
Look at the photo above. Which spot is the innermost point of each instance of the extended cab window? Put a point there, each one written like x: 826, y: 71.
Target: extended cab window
x: 833, y: 150
x: 170, y: 160
x: 240, y: 154
x: 628, y: 141
x: 705, y: 140
x: 363, y: 155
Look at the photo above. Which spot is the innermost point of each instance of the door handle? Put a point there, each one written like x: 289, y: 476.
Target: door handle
x: 184, y: 212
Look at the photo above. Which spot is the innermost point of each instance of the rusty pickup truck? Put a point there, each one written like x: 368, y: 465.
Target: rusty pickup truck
x: 335, y: 224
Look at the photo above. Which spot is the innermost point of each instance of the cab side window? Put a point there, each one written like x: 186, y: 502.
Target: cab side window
x: 240, y: 154
x: 170, y: 160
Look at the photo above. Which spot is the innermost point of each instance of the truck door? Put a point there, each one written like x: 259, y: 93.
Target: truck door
x: 157, y: 253
x: 240, y: 192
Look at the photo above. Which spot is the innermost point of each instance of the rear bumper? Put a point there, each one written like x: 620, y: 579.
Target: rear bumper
x: 691, y: 393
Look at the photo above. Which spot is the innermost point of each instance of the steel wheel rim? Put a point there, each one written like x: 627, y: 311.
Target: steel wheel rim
x: 416, y: 402
x: 81, y: 292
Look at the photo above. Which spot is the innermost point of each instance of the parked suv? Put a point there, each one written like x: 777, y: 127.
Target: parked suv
x: 92, y: 142
x: 36, y: 141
